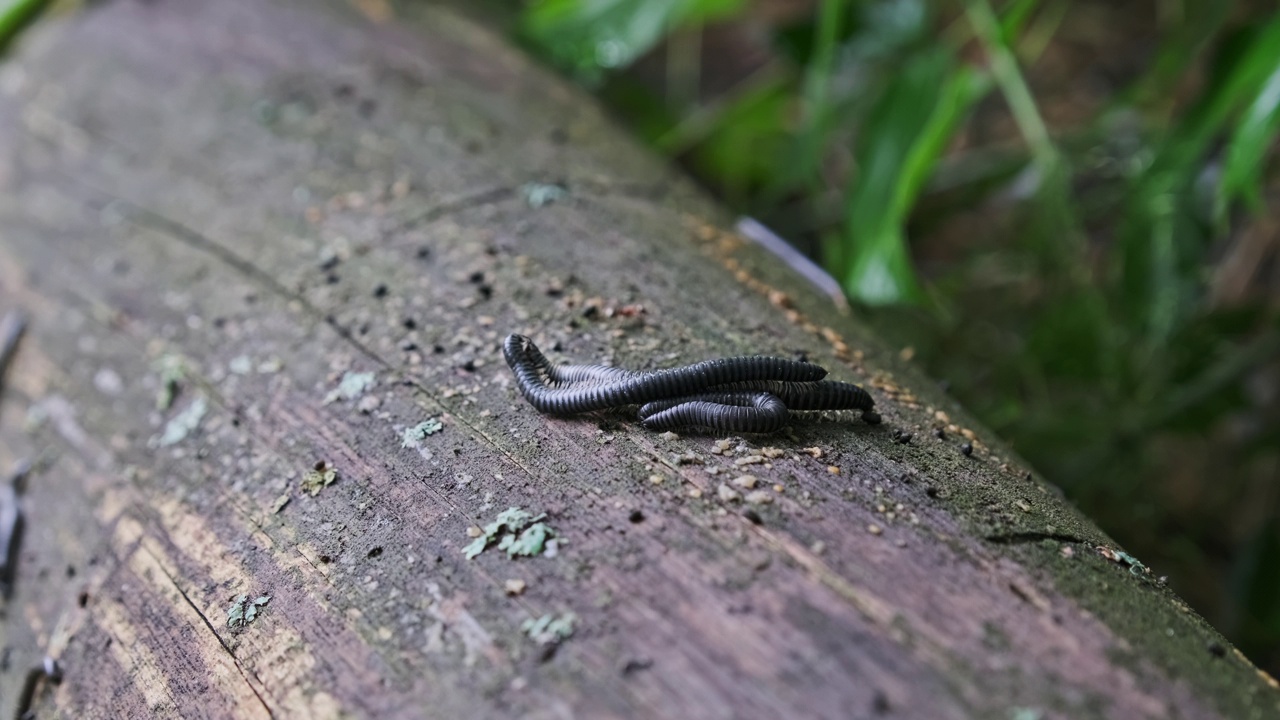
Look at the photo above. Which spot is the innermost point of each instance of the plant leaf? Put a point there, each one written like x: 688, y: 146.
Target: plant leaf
x: 902, y: 140
x: 1251, y: 141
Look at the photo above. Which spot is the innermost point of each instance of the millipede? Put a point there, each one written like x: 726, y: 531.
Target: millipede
x: 747, y: 394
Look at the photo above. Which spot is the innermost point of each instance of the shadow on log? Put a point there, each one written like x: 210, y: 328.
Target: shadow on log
x: 270, y: 251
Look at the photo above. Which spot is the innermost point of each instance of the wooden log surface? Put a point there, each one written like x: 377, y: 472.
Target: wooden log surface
x: 241, y: 202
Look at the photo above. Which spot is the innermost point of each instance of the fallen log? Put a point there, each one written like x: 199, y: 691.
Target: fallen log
x: 269, y: 252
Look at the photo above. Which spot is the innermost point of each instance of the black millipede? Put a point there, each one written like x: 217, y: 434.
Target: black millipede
x: 823, y: 395
x: 750, y: 394
x: 758, y: 412
x: 573, y: 389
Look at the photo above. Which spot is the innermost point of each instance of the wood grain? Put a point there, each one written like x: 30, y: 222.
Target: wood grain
x: 272, y: 194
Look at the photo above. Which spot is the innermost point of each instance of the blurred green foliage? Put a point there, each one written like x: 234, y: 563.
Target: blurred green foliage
x: 1073, y: 281
x: 593, y: 36
x: 14, y: 15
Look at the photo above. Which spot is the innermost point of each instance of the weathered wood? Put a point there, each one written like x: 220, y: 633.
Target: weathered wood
x: 238, y: 183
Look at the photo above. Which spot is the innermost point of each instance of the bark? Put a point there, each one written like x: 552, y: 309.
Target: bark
x: 239, y: 202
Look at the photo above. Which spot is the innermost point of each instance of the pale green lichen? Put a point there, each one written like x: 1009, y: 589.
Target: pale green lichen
x: 352, y: 386
x: 518, y: 532
x: 184, y: 423
x: 532, y: 541
x: 413, y: 437
x: 318, y: 478
x: 280, y: 502
x: 549, y: 629
x: 171, y: 369
x: 1119, y: 556
x: 540, y: 194
x: 243, y: 611
x: 241, y: 365
x: 36, y: 416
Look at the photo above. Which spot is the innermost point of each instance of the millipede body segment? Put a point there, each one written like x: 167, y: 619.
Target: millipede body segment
x: 750, y: 394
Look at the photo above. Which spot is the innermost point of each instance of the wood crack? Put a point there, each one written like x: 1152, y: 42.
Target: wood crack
x: 467, y: 201
x: 203, y: 618
x: 158, y: 223
x: 1029, y: 537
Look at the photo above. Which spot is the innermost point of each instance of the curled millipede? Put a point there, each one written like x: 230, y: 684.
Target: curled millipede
x: 757, y: 412
x: 823, y: 395
x: 751, y: 394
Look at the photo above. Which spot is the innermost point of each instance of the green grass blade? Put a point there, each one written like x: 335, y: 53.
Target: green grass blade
x: 1253, y: 137
x: 958, y: 94
x: 810, y: 141
x: 14, y: 15
x: 1187, y: 27
x: 1232, y: 86
x: 1164, y: 232
x: 594, y: 36
x: 1014, y: 87
x: 755, y: 121
x: 1014, y: 19
x: 898, y: 147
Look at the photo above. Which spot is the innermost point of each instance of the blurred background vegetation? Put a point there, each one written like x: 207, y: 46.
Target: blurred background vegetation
x: 1065, y: 209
